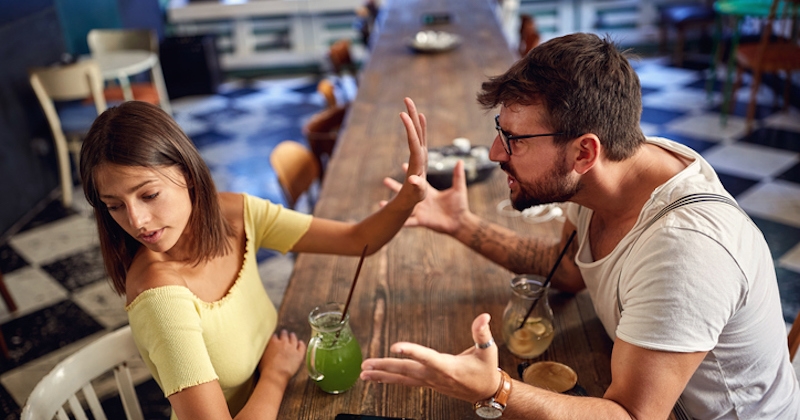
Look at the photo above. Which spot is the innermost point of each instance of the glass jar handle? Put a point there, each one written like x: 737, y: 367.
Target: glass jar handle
x: 311, y: 356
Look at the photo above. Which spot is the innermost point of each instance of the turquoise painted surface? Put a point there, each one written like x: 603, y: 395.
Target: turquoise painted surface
x: 78, y: 17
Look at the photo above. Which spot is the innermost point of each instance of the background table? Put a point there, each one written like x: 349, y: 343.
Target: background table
x: 422, y: 287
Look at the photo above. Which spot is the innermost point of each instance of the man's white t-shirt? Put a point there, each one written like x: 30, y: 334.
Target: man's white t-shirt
x: 700, y: 279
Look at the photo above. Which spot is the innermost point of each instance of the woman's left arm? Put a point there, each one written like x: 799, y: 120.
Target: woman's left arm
x: 335, y: 237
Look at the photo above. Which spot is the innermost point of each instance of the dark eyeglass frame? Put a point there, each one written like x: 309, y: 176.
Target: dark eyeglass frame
x: 506, y: 138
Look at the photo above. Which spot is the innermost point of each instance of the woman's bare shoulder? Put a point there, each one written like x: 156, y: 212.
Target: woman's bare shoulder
x: 147, y: 272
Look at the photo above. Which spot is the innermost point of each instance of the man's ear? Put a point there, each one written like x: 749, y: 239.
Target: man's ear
x: 585, y: 152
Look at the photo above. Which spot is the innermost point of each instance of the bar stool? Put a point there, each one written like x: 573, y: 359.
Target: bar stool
x: 682, y: 17
x: 735, y: 11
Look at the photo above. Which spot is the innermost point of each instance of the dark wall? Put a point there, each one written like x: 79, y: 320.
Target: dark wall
x: 31, y: 36
x: 37, y: 33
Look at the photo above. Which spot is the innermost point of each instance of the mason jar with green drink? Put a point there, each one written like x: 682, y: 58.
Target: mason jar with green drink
x: 334, y: 355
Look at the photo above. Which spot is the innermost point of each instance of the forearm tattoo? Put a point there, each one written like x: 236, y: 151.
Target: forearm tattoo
x: 518, y: 254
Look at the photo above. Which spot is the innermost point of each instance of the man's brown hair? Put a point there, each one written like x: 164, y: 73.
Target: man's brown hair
x: 585, y: 84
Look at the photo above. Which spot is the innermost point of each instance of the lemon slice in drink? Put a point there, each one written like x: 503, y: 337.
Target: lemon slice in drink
x: 521, y: 342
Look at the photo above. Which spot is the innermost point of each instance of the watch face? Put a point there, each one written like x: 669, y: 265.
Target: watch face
x: 488, y: 412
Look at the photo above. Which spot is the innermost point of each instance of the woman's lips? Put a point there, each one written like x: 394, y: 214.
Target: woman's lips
x: 151, y: 237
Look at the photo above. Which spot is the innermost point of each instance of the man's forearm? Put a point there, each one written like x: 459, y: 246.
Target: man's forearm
x: 505, y: 247
x: 527, y: 402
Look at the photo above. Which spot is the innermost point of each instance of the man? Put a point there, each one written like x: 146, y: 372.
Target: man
x: 681, y: 279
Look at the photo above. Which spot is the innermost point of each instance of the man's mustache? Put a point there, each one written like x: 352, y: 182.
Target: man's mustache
x: 507, y: 168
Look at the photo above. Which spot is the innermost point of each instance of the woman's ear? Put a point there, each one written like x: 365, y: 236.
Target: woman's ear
x: 586, y: 151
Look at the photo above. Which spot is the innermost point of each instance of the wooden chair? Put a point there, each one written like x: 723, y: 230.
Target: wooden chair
x: 529, y: 36
x: 341, y: 59
x: 322, y: 131
x: 794, y: 337
x: 772, y: 54
x: 683, y: 17
x: 327, y: 90
x: 58, y: 392
x: 103, y: 41
x: 70, y: 82
x: 296, y: 168
x: 12, y: 307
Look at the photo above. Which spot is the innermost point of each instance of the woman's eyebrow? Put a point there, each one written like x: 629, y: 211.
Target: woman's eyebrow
x: 130, y: 190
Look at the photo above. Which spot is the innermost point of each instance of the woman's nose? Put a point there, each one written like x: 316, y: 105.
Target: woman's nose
x: 138, y: 216
x: 497, y: 153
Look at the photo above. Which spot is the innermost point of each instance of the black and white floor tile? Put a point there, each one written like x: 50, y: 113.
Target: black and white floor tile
x: 54, y: 271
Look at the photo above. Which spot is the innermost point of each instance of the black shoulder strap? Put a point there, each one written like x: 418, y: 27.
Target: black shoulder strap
x: 683, y: 201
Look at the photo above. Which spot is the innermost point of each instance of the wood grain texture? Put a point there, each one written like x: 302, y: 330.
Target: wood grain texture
x: 422, y: 287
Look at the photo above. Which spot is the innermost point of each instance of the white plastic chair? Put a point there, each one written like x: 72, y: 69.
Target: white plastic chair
x: 57, y: 393
x: 104, y: 41
x: 69, y: 82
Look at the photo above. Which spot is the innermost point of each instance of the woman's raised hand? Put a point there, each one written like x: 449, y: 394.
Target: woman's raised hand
x: 415, y: 184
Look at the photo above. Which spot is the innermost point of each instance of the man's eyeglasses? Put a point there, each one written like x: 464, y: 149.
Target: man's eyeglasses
x: 507, y: 138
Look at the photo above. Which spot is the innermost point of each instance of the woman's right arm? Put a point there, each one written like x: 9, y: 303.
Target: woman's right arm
x: 281, y: 360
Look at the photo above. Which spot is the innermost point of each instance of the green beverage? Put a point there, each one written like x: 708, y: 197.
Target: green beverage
x: 334, y: 355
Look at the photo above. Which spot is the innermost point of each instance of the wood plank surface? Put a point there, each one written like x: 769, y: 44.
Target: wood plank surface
x: 423, y: 287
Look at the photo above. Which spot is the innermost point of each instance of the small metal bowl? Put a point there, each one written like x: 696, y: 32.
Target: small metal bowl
x: 441, y: 161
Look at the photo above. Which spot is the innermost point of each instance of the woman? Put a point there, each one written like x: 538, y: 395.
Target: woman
x: 184, y: 256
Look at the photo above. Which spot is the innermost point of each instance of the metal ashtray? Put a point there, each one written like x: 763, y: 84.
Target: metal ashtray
x: 442, y: 161
x: 433, y: 41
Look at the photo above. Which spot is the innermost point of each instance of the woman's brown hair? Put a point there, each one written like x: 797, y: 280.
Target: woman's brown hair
x: 141, y: 134
x: 586, y: 86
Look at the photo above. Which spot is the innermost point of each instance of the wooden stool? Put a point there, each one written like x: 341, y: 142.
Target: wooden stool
x: 12, y: 307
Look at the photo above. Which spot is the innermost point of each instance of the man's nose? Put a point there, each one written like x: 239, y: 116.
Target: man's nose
x: 497, y: 153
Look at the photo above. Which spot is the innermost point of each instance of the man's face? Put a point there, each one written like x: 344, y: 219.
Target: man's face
x: 538, y: 171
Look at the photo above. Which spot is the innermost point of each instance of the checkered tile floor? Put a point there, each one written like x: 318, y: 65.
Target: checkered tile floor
x: 53, y: 267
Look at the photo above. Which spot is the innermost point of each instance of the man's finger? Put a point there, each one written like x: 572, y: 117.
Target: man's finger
x: 485, y: 347
x: 392, y: 184
x: 481, y: 332
x: 389, y: 378
x: 421, y: 354
x: 459, y: 177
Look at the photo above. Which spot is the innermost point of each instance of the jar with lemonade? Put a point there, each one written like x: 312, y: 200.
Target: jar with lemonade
x: 534, y: 337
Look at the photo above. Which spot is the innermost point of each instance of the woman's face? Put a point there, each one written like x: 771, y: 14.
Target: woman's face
x: 151, y: 204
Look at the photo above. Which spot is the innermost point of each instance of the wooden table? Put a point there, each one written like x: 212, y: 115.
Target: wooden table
x: 423, y: 287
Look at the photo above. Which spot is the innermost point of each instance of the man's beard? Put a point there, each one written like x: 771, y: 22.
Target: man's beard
x: 556, y: 187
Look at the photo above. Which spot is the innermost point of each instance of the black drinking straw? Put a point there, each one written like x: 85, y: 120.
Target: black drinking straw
x: 352, y: 287
x: 549, y: 276
x: 355, y: 279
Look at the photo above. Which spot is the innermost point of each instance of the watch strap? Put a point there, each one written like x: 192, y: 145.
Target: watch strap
x: 500, y: 398
x: 504, y: 390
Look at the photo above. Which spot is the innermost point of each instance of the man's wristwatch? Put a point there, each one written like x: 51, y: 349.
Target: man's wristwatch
x: 493, y: 407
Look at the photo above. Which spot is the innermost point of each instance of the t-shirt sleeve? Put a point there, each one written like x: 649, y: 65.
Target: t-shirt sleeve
x: 166, y: 328
x: 274, y: 226
x: 678, y: 292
